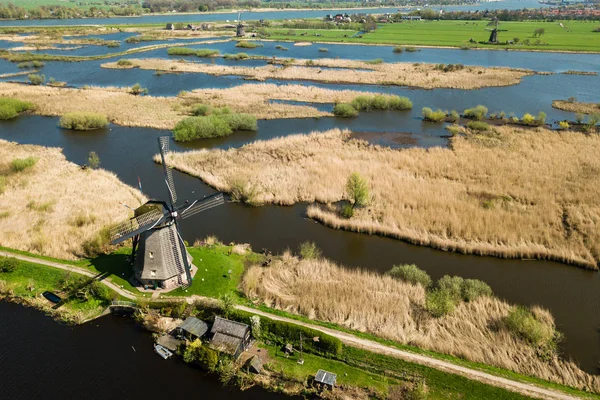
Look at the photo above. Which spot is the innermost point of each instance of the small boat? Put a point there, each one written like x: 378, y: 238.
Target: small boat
x: 162, y: 351
x: 52, y: 297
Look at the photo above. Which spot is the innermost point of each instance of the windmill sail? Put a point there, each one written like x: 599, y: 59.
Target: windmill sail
x: 134, y: 226
x: 202, y: 205
x: 163, y: 144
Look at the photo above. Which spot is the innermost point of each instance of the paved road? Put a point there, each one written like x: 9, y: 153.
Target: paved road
x: 352, y: 340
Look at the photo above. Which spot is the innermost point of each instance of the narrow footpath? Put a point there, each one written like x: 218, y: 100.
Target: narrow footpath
x: 348, y: 339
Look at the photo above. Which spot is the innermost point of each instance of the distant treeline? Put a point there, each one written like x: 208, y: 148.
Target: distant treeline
x: 11, y: 11
x: 502, y: 15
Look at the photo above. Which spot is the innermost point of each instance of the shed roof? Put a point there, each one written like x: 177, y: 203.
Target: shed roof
x: 230, y: 328
x: 225, y: 343
x: 194, y: 326
x: 325, y: 377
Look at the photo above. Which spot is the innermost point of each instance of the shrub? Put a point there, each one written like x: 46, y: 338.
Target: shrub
x: 453, y: 285
x: 381, y: 102
x: 207, y: 53
x: 8, y: 264
x: 453, y: 116
x: 243, y: 191
x: 541, y: 118
x: 478, y: 126
x: 523, y: 323
x: 439, y: 303
x: 192, y: 128
x: 398, y: 49
x: 474, y: 288
x: 181, y: 51
x: 93, y: 160
x: 240, y: 122
x: 201, y: 110
x: 280, y: 47
x: 36, y: 79
x: 347, y: 211
x: 579, y: 117
x: 7, y: 113
x: 357, y: 190
x: 238, y: 56
x: 10, y: 108
x: 434, y: 116
x: 410, y: 273
x: 124, y: 63
x: 247, y: 45
x: 137, y: 89
x: 309, y: 251
x: 204, y: 356
x: 83, y: 121
x: 563, y: 125
x: 477, y: 112
x: 375, y: 61
x: 528, y: 119
x: 344, y: 110
x: 399, y: 103
x: 323, y: 50
x: 21, y: 164
x: 411, y: 49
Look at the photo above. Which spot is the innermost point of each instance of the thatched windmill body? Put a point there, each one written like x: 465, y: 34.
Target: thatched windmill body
x: 494, y: 31
x: 159, y: 256
x: 239, y: 31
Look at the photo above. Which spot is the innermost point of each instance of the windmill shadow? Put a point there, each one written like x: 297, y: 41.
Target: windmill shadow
x: 84, y: 282
x: 116, y: 264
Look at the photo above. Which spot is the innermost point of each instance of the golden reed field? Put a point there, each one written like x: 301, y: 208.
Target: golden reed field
x: 54, y: 207
x: 518, y: 192
x: 358, y: 72
x: 392, y: 309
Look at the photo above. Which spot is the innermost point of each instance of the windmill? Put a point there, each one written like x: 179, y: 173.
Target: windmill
x: 494, y: 31
x: 159, y: 257
x: 239, y: 32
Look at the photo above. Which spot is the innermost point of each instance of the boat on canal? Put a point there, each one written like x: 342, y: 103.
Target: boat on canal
x: 162, y: 351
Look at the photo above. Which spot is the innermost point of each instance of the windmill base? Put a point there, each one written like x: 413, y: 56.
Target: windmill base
x: 160, y: 286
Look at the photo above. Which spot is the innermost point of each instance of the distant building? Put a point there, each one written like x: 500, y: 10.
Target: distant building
x: 191, y: 329
x: 230, y: 337
x: 170, y: 27
x: 325, y: 380
x: 411, y: 17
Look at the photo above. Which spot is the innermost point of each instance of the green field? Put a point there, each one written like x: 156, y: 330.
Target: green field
x: 575, y: 36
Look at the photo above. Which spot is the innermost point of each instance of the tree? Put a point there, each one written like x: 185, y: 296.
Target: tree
x: 93, y: 160
x: 539, y: 32
x: 357, y: 189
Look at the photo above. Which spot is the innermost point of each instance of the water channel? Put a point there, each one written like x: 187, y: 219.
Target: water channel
x: 109, y: 358
x: 571, y: 294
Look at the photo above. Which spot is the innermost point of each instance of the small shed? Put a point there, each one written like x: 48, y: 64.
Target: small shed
x: 170, y: 26
x: 192, y: 328
x: 255, y: 364
x: 325, y: 379
x: 230, y: 337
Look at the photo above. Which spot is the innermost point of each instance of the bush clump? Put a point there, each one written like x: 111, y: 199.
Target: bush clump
x: 434, y: 116
x: 8, y: 264
x: 410, y: 273
x: 398, y: 49
x: 83, y: 121
x: 309, y: 251
x: 477, y: 112
x: 218, y: 124
x: 10, y: 108
x: 238, y: 56
x: 344, y: 110
x: 478, y: 126
x: 207, y: 53
x: 36, y: 79
x: 463, y: 289
x: 522, y: 322
x: 201, y: 110
x: 21, y: 164
x: 200, y: 354
x: 381, y: 102
x: 124, y: 63
x: 181, y: 51
x: 439, y: 303
x: 137, y: 89
x: 248, y: 45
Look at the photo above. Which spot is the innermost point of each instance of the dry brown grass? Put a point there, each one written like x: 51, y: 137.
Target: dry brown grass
x: 516, y: 193
x: 392, y: 309
x: 577, y: 107
x: 402, y: 74
x: 55, y: 206
x: 164, y: 112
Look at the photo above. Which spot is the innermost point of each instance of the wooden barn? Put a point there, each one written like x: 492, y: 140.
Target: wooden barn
x: 229, y: 337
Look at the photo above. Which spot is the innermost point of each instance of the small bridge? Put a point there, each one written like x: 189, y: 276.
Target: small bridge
x: 120, y: 307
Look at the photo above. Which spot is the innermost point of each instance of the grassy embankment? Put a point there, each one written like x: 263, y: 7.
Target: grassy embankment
x: 576, y: 106
x: 123, y: 108
x: 485, y: 195
x: 357, y: 72
x: 576, y: 36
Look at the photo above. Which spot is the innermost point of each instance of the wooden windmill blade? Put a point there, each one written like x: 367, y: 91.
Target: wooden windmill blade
x: 136, y: 225
x: 201, y: 205
x: 163, y: 145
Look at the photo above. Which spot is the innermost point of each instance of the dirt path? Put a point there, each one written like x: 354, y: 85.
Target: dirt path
x: 349, y: 339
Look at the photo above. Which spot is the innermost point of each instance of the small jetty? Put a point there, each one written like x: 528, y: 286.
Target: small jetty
x: 162, y: 351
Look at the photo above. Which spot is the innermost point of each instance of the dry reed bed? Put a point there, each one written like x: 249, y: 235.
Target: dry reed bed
x: 125, y: 109
x: 55, y: 206
x: 577, y: 107
x: 402, y: 74
x: 393, y: 309
x: 519, y: 193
